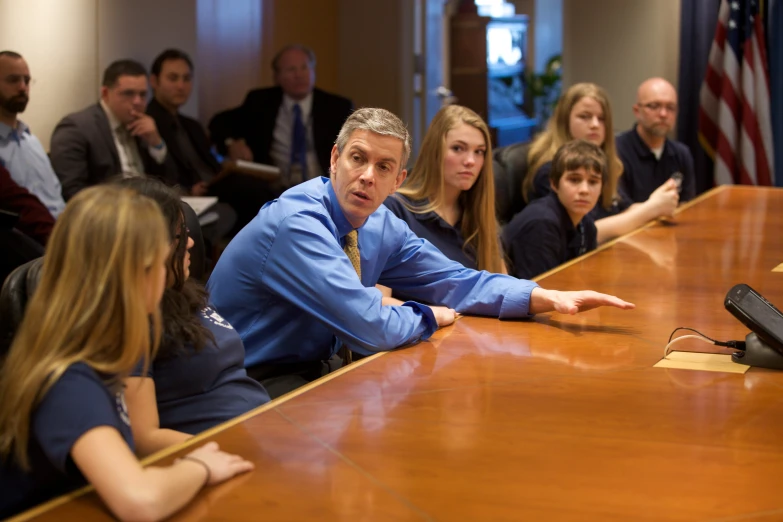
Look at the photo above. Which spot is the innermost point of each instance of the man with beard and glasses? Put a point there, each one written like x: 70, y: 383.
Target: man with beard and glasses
x: 20, y: 152
x: 649, y: 158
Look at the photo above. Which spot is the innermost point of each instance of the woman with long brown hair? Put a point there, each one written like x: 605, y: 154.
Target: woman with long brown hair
x: 197, y: 378
x: 449, y: 196
x: 584, y: 112
x: 63, y: 420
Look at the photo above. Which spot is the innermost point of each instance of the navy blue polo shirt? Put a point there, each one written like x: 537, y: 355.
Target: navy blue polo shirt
x: 542, y: 237
x: 542, y: 188
x: 78, y: 402
x: 198, y: 390
x: 643, y: 172
x: 430, y: 226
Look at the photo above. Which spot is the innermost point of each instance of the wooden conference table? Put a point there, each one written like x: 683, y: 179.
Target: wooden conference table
x: 559, y: 418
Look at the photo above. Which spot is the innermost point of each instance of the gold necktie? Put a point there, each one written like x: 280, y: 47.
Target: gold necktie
x: 351, y: 250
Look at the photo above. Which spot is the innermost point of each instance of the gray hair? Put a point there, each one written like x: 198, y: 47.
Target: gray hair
x: 379, y: 121
x: 299, y: 47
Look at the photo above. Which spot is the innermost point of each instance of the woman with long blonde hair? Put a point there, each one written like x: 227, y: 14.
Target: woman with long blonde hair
x: 584, y: 112
x: 93, y: 317
x: 449, y: 196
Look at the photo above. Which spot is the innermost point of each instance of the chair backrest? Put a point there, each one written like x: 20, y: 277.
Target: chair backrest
x: 198, y: 256
x: 17, y: 249
x: 509, y: 165
x: 17, y: 290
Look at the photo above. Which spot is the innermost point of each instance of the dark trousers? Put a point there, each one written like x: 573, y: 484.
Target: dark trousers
x: 279, y: 379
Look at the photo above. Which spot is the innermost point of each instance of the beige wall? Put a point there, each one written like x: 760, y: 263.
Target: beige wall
x: 372, y: 68
x: 68, y: 44
x: 141, y: 29
x: 618, y: 44
x: 285, y: 24
x: 59, y: 41
x: 229, y: 44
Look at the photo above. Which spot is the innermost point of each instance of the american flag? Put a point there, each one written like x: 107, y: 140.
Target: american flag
x: 735, y: 125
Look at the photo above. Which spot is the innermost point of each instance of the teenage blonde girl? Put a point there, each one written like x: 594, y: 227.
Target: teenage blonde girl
x: 63, y: 420
x: 449, y: 196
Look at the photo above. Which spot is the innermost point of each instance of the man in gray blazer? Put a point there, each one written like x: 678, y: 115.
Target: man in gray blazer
x: 113, y: 137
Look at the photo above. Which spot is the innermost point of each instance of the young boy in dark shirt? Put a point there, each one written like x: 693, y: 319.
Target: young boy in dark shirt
x: 556, y: 228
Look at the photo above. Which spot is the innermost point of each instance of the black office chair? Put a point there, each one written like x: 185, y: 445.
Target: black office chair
x: 17, y: 248
x: 198, y: 256
x: 509, y: 165
x: 17, y: 290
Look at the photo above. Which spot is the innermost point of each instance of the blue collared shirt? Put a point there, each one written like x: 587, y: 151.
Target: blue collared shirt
x: 24, y: 157
x: 288, y: 288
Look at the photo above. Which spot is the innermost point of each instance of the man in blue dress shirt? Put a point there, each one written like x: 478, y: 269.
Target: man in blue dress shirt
x: 287, y: 285
x: 20, y: 151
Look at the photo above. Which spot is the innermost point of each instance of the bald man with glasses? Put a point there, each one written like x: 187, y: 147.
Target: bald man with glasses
x: 649, y: 157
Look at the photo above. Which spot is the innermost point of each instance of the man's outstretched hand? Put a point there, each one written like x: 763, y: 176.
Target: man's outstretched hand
x: 542, y: 300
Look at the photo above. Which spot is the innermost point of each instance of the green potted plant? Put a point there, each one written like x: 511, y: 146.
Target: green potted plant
x: 544, y: 89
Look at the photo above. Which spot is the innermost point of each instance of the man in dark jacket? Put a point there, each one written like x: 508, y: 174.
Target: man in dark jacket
x: 292, y: 125
x: 113, y: 137
x: 195, y: 165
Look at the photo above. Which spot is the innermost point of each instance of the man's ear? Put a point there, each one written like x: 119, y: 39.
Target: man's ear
x: 154, y: 81
x: 104, y: 92
x: 400, y: 179
x: 333, y: 160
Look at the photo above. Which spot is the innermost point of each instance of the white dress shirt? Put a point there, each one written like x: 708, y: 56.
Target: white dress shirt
x: 283, y: 134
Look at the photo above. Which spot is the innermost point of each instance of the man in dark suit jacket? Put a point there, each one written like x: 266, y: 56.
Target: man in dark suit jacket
x: 263, y: 129
x: 171, y: 77
x: 172, y: 82
x: 112, y: 137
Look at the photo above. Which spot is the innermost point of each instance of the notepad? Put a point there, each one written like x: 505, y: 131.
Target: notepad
x: 199, y: 205
x: 778, y: 268
x: 258, y: 167
x: 709, y: 362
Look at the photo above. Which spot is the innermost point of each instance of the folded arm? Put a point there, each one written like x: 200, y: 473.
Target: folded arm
x: 307, y: 267
x: 142, y: 404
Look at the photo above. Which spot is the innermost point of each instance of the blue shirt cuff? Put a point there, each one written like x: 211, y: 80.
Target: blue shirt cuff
x: 516, y: 302
x: 429, y: 323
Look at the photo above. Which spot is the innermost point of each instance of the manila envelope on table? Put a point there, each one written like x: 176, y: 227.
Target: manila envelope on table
x: 710, y: 362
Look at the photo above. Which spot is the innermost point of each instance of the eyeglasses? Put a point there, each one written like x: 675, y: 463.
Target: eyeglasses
x: 14, y: 79
x: 179, y: 236
x: 656, y: 106
x: 131, y: 94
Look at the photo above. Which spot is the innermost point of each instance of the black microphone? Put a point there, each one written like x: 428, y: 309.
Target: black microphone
x: 677, y: 177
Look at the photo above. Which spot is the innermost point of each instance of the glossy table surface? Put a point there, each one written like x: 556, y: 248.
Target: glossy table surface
x: 558, y: 418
